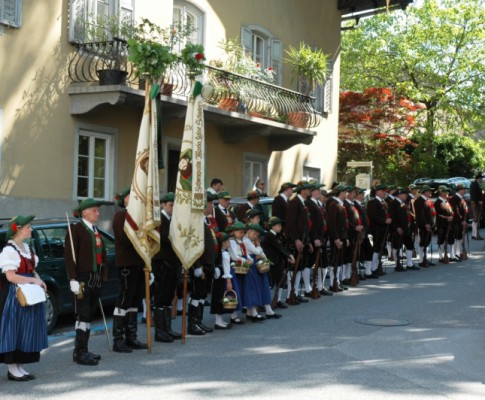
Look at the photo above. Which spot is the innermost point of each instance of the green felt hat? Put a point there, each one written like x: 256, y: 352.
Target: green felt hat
x: 223, y: 236
x: 120, y: 198
x: 16, y: 223
x: 360, y: 190
x: 252, y: 213
x: 339, y: 189
x: 443, y: 189
x: 256, y: 227
x: 274, y: 221
x: 315, y: 184
x: 236, y: 226
x: 302, y: 185
x: 401, y: 190
x: 224, y: 195
x: 412, y: 186
x: 380, y: 186
x: 425, y: 188
x: 286, y: 185
x: 168, y: 197
x: 89, y: 203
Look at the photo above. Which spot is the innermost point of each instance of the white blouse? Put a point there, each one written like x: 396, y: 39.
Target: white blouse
x: 235, y: 251
x: 10, y: 260
x: 226, y: 265
x: 251, y: 248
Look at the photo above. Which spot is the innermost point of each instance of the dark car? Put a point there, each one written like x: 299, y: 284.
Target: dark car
x: 266, y: 205
x: 48, y: 237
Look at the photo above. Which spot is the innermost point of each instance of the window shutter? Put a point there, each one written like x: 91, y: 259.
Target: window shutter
x: 11, y: 13
x: 327, y: 95
x: 127, y: 9
x: 276, y: 59
x: 77, y: 14
x: 247, y: 39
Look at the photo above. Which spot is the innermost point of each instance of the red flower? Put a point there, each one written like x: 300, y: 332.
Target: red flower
x: 258, y: 65
x: 199, y: 56
x: 270, y: 68
x: 14, y: 227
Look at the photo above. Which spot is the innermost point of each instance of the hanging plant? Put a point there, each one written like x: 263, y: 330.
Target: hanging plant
x: 193, y: 58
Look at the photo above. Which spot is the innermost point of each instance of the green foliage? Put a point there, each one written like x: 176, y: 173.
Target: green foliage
x: 193, y: 57
x: 433, y: 53
x: 308, y: 65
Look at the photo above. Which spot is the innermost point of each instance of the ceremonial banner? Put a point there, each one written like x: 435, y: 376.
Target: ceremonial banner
x: 143, y: 211
x: 187, y: 226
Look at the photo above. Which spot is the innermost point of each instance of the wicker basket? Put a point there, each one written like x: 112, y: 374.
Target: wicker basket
x: 263, y: 267
x: 229, y: 300
x: 239, y: 269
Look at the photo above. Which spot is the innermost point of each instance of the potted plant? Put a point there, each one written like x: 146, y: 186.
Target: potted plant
x: 309, y: 67
x: 107, y: 37
x: 153, y: 50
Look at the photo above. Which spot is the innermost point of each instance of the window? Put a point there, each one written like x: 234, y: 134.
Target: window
x: 311, y: 173
x: 11, y: 13
x: 323, y: 93
x: 263, y: 48
x: 185, y: 13
x: 51, y: 240
x: 93, y: 165
x: 255, y: 167
x: 82, y: 11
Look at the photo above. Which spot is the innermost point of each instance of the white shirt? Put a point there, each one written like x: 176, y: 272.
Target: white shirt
x: 166, y: 214
x: 10, y: 260
x: 251, y: 248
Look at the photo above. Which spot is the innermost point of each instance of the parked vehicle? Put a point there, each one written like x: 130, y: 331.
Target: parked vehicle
x: 48, y: 236
x: 266, y: 204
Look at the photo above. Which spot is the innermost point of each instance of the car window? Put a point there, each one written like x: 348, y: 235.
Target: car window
x: 51, y: 241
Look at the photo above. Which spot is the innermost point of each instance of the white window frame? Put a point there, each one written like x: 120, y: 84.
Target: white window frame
x: 310, y: 172
x: 84, y: 9
x: 185, y: 8
x: 248, y: 182
x: 14, y: 21
x: 108, y: 134
x: 272, y: 53
x: 1, y: 139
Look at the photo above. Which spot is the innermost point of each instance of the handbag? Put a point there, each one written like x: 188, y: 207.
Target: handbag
x: 29, y: 294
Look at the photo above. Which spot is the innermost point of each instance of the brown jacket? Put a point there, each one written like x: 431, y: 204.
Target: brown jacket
x: 84, y: 248
x: 126, y: 255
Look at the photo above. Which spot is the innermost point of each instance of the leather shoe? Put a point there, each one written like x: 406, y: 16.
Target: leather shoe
x: 456, y: 259
x: 17, y: 378
x: 257, y: 318
x: 275, y: 316
x: 280, y: 304
x: 325, y: 292
x: 423, y: 264
x: 477, y: 237
x: 301, y: 299
x: 431, y: 264
x: 372, y: 276
x: 30, y: 377
x: 399, y: 269
x: 414, y: 268
x: 237, y: 321
x: 308, y: 294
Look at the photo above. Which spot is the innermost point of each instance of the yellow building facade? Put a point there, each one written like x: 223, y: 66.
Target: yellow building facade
x: 63, y: 138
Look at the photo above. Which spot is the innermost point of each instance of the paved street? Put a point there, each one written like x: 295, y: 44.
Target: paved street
x: 315, y: 351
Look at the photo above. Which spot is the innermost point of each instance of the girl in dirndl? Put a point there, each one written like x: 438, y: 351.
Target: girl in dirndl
x: 238, y: 254
x: 224, y: 280
x: 258, y: 292
x: 23, y: 330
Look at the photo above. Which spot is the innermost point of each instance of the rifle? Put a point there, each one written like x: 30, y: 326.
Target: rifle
x: 464, y: 254
x: 446, y: 259
x: 380, y: 270
x: 335, y: 267
x: 315, y: 293
x: 292, y: 297
x: 354, y: 278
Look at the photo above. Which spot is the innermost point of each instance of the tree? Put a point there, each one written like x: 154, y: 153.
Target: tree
x: 374, y: 125
x: 432, y: 54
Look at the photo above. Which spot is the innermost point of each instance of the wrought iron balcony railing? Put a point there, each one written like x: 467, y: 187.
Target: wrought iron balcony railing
x: 104, y: 61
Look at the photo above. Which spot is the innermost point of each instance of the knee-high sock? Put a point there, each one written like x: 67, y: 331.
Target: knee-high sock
x: 409, y: 258
x: 306, y: 279
x: 368, y: 267
x: 375, y: 261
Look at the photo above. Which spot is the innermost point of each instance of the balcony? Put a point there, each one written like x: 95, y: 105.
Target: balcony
x: 239, y: 105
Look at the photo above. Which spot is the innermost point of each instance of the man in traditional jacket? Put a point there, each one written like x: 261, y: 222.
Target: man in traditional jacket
x: 224, y: 216
x: 476, y: 202
x: 460, y: 220
x: 131, y: 288
x: 444, y: 220
x: 85, y: 260
x: 424, y: 209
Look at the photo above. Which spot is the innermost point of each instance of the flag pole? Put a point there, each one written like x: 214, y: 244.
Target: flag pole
x: 149, y: 308
x: 184, y: 309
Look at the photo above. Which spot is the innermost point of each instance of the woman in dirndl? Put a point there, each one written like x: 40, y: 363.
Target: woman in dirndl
x: 23, y: 330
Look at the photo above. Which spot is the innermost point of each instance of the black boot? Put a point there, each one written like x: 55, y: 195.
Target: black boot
x: 131, y: 328
x: 200, y: 316
x: 167, y: 315
x: 193, y: 328
x: 96, y: 357
x: 161, y: 334
x: 118, y: 334
x: 82, y: 356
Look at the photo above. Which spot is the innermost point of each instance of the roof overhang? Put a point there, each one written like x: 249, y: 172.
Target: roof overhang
x: 356, y: 9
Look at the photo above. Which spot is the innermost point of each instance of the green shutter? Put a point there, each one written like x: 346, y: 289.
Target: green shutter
x: 11, y: 13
